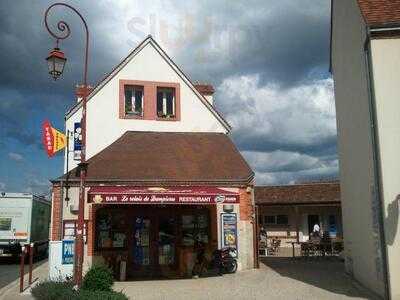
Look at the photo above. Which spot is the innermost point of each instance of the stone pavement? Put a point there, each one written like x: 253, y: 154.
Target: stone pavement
x: 277, y: 278
x: 10, y: 291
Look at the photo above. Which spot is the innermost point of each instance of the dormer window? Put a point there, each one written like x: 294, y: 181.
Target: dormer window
x: 166, y: 102
x: 133, y: 100
x: 149, y: 100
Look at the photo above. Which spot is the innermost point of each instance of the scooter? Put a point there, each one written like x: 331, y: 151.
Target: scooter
x: 223, y: 261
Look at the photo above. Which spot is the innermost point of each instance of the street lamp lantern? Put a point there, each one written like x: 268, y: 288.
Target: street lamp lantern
x: 56, y: 62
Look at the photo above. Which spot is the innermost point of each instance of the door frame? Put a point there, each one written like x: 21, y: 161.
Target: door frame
x: 311, y: 226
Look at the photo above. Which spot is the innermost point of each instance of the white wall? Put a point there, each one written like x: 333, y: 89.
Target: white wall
x: 386, y: 74
x: 361, y: 236
x: 104, y: 125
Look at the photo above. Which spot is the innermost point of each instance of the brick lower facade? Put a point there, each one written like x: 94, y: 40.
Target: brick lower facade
x: 56, y: 214
x: 246, y: 205
x: 91, y: 230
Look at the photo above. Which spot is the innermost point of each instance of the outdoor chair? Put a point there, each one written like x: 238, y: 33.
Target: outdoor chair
x: 305, y: 249
x: 274, y: 248
x: 263, y: 246
x: 337, y: 247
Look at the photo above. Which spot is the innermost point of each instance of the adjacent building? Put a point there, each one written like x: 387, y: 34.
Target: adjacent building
x: 162, y: 175
x: 289, y: 212
x: 365, y: 63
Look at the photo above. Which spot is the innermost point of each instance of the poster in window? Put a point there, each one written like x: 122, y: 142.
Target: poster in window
x: 229, y: 230
x: 119, y: 240
x: 69, y: 230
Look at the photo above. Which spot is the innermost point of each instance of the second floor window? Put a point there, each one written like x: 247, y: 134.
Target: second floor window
x: 133, y: 100
x: 166, y: 102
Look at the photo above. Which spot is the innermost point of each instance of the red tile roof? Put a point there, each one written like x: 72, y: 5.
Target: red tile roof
x: 380, y: 12
x: 312, y: 193
x: 170, y: 157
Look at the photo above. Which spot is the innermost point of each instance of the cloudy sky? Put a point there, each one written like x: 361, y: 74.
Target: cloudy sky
x: 267, y: 59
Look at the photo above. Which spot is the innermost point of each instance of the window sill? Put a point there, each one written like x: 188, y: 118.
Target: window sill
x: 133, y: 116
x: 166, y: 118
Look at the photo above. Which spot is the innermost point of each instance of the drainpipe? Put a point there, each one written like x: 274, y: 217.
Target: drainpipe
x: 375, y: 153
x: 62, y: 210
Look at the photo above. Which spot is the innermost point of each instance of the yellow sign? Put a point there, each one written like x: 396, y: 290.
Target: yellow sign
x: 60, y: 140
x: 53, y: 140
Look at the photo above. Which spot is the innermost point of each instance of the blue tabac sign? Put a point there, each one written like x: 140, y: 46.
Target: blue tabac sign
x: 67, y: 252
x: 77, y: 141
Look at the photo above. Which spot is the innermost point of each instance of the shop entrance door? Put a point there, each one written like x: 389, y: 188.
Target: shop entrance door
x: 142, y: 247
x: 153, y: 250
x: 312, y: 220
x: 166, y: 256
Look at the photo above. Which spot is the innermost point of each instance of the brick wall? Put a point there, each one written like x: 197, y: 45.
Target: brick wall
x: 56, y: 217
x: 90, y: 233
x: 246, y: 205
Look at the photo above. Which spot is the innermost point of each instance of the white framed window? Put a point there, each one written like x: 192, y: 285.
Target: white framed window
x: 166, y: 102
x: 282, y: 219
x: 5, y: 224
x: 269, y: 220
x: 276, y: 219
x: 133, y: 100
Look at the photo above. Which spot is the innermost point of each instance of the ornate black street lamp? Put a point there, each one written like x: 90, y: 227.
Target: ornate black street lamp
x: 56, y: 62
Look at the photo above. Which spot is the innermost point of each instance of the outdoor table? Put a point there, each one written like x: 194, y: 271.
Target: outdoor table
x: 293, y: 243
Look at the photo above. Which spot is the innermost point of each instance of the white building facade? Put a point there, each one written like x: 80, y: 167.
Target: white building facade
x: 163, y: 174
x: 365, y: 62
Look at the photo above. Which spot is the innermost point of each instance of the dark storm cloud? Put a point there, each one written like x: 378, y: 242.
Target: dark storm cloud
x: 265, y: 57
x: 27, y: 93
x: 324, y: 146
x: 26, y: 43
x: 282, y: 41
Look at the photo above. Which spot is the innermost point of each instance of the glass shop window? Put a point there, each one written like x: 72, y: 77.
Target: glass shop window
x: 111, y: 230
x: 166, y: 102
x: 5, y: 224
x: 195, y: 228
x: 133, y: 100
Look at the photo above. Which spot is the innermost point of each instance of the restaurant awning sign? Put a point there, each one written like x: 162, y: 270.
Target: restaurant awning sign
x: 172, y: 195
x: 53, y: 140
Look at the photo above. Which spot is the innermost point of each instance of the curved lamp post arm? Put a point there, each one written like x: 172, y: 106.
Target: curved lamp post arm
x: 64, y: 32
x: 63, y: 26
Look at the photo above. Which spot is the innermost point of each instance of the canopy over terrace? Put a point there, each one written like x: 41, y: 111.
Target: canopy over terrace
x: 299, y: 206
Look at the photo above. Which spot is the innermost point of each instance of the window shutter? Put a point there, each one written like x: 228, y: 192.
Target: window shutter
x: 138, y: 100
x: 160, y: 103
x: 128, y: 99
x: 170, y: 103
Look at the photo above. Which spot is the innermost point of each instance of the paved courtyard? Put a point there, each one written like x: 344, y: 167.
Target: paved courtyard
x: 9, y: 279
x: 277, y: 278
